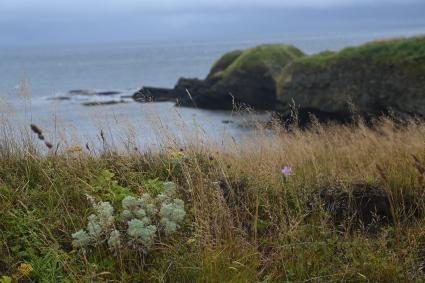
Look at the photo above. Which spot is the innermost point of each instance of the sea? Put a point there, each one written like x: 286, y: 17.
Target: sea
x: 49, y: 86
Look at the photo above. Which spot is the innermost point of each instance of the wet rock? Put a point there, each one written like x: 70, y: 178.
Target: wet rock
x: 102, y: 103
x: 107, y: 92
x: 246, y: 77
x: 85, y: 92
x: 60, y: 98
x: 156, y: 94
x: 207, y: 101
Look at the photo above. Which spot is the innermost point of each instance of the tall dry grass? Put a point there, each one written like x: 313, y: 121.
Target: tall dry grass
x: 246, y: 222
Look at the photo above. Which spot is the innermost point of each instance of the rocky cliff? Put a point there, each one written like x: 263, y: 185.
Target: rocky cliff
x: 377, y: 78
x: 373, y: 79
x: 243, y: 77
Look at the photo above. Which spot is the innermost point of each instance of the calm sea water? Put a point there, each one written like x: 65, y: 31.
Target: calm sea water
x: 125, y: 68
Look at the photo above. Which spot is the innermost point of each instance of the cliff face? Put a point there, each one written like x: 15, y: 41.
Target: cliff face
x: 370, y: 80
x: 248, y: 77
x: 376, y: 78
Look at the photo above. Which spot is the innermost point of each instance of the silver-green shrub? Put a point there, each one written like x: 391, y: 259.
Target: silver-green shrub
x: 114, y: 241
x: 81, y: 239
x: 141, y: 233
x: 138, y: 225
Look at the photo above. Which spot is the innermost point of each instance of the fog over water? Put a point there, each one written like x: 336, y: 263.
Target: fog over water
x: 29, y: 23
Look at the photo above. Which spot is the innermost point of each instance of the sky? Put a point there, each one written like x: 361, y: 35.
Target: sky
x: 66, y: 22
x: 15, y: 5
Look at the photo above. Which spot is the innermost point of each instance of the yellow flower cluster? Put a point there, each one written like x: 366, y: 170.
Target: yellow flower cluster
x: 25, y: 269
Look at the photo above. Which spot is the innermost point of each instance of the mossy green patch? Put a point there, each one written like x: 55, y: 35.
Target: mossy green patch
x: 250, y: 76
x: 396, y: 51
x: 273, y: 57
x: 223, y: 63
x: 364, y: 69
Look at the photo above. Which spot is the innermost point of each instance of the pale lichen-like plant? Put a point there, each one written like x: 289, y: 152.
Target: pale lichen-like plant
x: 138, y: 225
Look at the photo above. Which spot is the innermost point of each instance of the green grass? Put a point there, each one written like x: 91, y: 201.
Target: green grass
x: 405, y: 57
x: 404, y: 51
x: 272, y: 57
x: 260, y: 229
x: 224, y: 62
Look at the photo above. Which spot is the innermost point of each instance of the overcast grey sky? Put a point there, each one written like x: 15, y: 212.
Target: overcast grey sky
x: 55, y: 22
x: 174, y: 4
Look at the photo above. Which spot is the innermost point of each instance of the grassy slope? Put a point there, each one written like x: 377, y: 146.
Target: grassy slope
x: 407, y: 54
x: 397, y: 51
x: 224, y: 62
x: 273, y: 57
x: 264, y: 232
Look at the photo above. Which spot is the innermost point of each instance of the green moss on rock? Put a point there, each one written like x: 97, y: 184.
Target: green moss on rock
x: 273, y: 57
x: 248, y: 77
x: 252, y: 76
x: 377, y: 78
x: 396, y: 51
x: 223, y: 63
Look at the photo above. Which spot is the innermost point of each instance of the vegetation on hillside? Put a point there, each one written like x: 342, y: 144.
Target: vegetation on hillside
x: 271, y: 57
x: 246, y: 220
x: 380, y: 77
x: 403, y: 51
x: 223, y: 63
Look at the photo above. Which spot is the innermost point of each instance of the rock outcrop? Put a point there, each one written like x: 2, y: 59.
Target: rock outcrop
x: 239, y: 77
x: 377, y: 78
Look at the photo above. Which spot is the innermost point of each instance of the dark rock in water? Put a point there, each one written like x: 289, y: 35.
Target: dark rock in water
x: 156, y: 94
x: 193, y: 86
x: 243, y: 77
x: 61, y: 98
x: 91, y: 92
x: 239, y: 77
x: 100, y: 103
x: 363, y: 205
x: 383, y: 77
x: 207, y: 102
x: 184, y: 95
x: 108, y: 92
x: 201, y: 94
x: 82, y: 92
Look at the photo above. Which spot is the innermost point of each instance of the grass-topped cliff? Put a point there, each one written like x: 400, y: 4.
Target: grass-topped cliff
x: 376, y: 78
x: 248, y: 76
x: 270, y: 57
x: 406, y: 51
x: 223, y: 63
x: 252, y: 76
x: 380, y: 77
x: 348, y: 207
